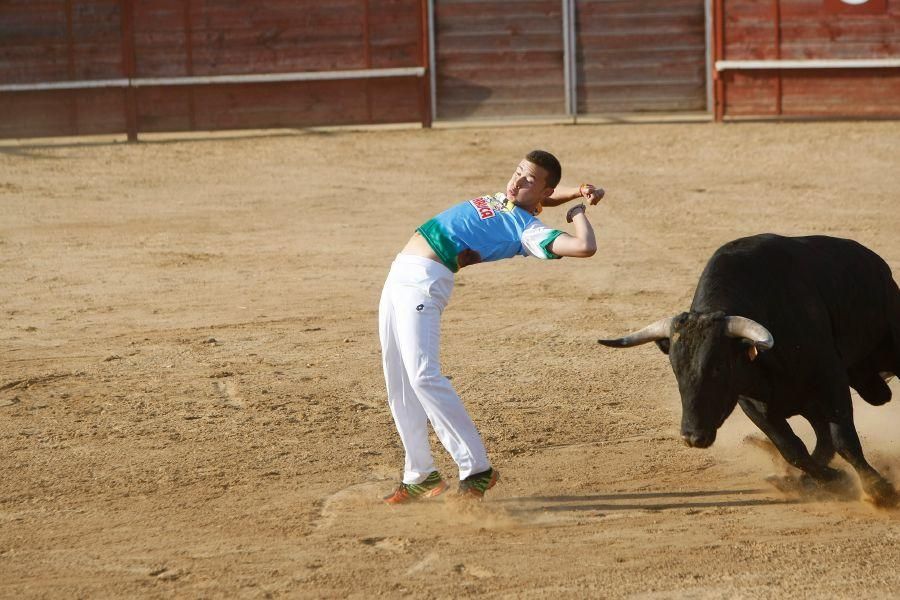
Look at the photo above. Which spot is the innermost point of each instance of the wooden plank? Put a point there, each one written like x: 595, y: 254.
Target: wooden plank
x: 246, y: 52
x: 499, y: 58
x: 33, y: 41
x: 160, y: 39
x: 163, y: 109
x: 278, y: 36
x: 639, y: 56
x: 35, y: 114
x: 25, y: 114
x: 458, y: 44
x: 808, y: 31
x: 858, y: 93
x: 749, y: 31
x: 100, y: 111
x: 32, y: 23
x: 304, y: 104
x: 864, y: 92
x: 751, y: 93
x: 31, y: 64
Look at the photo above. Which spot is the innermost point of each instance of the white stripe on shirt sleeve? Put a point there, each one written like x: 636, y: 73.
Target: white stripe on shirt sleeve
x: 536, y: 237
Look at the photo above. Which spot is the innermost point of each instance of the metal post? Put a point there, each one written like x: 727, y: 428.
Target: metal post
x: 424, y: 85
x: 70, y: 69
x: 710, y: 59
x: 431, y: 65
x: 129, y: 67
x: 776, y: 9
x: 367, y: 58
x: 569, y: 57
x: 719, y: 19
x: 189, y: 62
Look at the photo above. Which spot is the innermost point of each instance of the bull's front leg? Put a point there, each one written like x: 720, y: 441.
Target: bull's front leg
x: 824, y: 450
x: 846, y: 442
x: 789, y: 445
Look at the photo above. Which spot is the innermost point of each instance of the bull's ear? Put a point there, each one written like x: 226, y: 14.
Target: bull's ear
x: 750, y: 348
x: 752, y: 352
x: 663, y: 345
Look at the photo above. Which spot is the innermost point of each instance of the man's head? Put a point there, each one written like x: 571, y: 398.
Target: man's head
x: 534, y: 180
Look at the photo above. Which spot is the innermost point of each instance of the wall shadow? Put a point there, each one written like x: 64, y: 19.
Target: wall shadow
x: 697, y: 499
x: 28, y: 149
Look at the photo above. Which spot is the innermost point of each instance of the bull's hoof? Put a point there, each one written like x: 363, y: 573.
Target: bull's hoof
x: 790, y: 484
x: 882, y: 494
x: 839, y: 484
x: 836, y: 485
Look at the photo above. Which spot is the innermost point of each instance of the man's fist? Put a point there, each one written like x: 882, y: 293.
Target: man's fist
x: 591, y: 194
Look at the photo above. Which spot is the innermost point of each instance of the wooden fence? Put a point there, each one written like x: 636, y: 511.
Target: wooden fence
x: 73, y: 67
x: 70, y: 67
x: 807, y: 58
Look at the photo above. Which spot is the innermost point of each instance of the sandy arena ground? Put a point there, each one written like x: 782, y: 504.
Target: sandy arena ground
x: 191, y: 398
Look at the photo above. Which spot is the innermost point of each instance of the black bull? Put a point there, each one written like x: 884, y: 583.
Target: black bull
x: 784, y: 327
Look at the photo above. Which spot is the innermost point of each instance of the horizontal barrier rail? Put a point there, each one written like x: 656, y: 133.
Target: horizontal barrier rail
x: 215, y: 79
x: 852, y: 63
x: 64, y: 85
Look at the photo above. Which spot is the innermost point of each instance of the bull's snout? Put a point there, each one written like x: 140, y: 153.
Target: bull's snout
x: 699, y: 440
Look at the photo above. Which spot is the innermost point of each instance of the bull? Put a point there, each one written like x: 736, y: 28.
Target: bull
x: 785, y: 326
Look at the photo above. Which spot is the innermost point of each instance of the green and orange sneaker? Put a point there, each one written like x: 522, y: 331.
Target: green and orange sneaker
x: 407, y: 492
x: 474, y: 486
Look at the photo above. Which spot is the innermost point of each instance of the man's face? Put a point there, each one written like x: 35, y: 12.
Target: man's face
x: 528, y: 186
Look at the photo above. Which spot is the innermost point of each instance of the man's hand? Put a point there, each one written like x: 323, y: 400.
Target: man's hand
x: 591, y: 194
x: 468, y: 257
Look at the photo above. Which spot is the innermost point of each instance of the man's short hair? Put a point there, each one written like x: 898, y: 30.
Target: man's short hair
x: 548, y: 162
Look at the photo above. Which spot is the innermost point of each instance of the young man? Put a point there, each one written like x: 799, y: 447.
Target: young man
x: 417, y: 290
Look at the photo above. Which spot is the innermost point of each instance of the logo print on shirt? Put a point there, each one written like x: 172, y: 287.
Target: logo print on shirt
x: 484, y: 208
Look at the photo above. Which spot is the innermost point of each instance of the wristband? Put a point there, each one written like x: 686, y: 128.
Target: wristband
x: 570, y: 216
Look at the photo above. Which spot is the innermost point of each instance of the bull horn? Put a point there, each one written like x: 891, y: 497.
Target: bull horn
x: 742, y: 327
x: 659, y: 330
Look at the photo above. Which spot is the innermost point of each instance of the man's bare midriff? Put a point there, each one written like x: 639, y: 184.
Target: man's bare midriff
x: 418, y: 246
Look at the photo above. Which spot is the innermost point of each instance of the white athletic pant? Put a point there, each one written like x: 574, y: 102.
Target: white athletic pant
x: 409, y: 323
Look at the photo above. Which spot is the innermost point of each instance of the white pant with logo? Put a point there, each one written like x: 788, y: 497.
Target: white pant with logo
x: 409, y: 322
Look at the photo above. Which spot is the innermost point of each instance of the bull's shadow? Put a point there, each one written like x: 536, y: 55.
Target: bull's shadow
x: 697, y: 499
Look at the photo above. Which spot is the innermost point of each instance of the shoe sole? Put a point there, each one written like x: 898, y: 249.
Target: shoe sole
x: 437, y: 491
x: 432, y: 493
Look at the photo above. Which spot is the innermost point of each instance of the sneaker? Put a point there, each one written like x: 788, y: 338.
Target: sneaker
x: 474, y: 486
x: 406, y: 492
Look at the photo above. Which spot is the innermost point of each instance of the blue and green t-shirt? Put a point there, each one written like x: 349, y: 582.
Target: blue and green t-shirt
x: 492, y: 226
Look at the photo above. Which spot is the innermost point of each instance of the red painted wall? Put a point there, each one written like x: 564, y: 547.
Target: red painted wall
x: 811, y: 29
x: 64, y: 40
